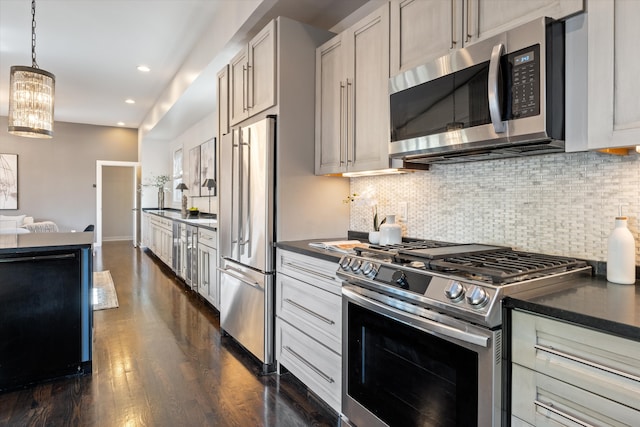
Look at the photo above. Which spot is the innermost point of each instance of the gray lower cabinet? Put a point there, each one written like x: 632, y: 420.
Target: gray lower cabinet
x: 309, y: 323
x: 208, y: 267
x: 567, y: 375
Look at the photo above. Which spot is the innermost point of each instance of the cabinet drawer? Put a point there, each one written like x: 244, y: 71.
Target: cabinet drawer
x: 316, y: 311
x: 312, y: 363
x: 545, y: 401
x: 595, y: 361
x: 207, y: 237
x: 317, y: 272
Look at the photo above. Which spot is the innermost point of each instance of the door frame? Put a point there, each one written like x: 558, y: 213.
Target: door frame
x: 135, y: 169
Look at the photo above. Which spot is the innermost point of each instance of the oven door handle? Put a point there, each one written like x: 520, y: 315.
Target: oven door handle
x: 429, y: 326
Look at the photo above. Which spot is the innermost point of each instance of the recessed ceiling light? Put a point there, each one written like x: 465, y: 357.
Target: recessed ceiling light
x: 120, y: 123
x: 144, y: 68
x: 129, y: 101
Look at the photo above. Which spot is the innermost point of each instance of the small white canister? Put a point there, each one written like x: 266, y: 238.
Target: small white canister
x: 390, y: 232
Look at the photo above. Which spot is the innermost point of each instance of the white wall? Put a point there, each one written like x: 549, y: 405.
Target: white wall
x: 562, y: 204
x: 155, y: 158
x: 201, y: 132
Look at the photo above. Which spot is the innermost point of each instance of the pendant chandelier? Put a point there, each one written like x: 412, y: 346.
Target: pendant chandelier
x: 31, y: 93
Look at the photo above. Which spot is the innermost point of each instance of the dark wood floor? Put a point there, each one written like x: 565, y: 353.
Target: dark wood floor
x: 160, y: 360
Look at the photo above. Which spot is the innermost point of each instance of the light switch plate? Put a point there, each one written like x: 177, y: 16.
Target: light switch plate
x: 403, y: 211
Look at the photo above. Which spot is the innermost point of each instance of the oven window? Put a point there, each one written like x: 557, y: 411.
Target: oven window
x: 407, y: 377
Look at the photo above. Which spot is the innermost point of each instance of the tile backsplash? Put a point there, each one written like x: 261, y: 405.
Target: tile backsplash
x: 561, y: 204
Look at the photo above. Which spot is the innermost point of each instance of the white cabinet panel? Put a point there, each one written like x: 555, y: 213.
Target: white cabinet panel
x: 562, y: 371
x: 309, y: 323
x: 316, y: 366
x: 545, y: 401
x: 603, y: 109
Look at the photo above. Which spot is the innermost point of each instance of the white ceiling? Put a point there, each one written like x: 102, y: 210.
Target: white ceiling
x: 94, y: 46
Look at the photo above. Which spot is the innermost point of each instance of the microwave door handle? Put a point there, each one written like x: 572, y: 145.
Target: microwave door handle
x: 494, y: 99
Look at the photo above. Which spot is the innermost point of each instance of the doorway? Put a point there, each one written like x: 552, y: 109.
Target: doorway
x: 134, y: 169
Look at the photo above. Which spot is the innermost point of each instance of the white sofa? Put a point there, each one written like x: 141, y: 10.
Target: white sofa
x: 20, y: 224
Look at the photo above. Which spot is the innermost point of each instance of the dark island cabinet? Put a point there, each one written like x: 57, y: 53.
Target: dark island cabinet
x: 45, y: 314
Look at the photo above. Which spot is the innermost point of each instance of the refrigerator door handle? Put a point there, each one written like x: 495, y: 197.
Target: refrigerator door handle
x: 245, y: 237
x: 236, y: 180
x: 240, y: 277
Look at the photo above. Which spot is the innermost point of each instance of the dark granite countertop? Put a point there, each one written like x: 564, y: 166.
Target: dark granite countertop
x: 302, y: 247
x: 175, y: 215
x: 593, y: 303
x: 20, y: 243
x: 590, y: 301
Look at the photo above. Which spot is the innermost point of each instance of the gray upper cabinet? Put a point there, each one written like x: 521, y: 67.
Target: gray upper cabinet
x: 352, y: 72
x: 603, y: 106
x: 422, y: 30
x: 485, y: 18
x: 252, y: 76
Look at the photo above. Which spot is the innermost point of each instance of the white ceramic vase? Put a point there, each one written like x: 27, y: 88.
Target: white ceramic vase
x: 390, y: 232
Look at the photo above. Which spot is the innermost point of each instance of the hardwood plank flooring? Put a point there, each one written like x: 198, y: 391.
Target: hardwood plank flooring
x: 160, y: 360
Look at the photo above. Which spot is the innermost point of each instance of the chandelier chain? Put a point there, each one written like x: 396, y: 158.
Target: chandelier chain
x: 34, y: 63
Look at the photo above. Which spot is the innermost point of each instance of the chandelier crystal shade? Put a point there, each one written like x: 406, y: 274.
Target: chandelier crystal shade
x: 31, y: 102
x: 31, y: 95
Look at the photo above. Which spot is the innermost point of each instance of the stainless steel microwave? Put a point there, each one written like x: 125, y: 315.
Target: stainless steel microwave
x: 499, y: 97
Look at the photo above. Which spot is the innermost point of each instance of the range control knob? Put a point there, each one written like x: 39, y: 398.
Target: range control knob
x: 344, y: 262
x: 355, y: 265
x: 371, y: 271
x: 477, y: 297
x: 400, y: 279
x: 366, y: 268
x: 454, y: 291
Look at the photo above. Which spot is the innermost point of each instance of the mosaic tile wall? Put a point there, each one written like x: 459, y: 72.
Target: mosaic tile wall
x: 562, y: 204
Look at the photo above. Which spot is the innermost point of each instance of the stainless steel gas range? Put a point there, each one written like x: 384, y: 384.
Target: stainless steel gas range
x: 422, y: 329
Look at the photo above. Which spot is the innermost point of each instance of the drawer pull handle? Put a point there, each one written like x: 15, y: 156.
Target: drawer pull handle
x: 326, y: 377
x: 587, y: 362
x: 549, y: 407
x: 311, y: 312
x: 307, y: 270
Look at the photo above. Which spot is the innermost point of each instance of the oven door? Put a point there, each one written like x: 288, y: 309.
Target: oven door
x: 407, y: 366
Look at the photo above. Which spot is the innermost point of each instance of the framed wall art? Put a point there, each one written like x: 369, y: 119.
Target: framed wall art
x: 207, y: 164
x: 194, y: 171
x: 8, y: 181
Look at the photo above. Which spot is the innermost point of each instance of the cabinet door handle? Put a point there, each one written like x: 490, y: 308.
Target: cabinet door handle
x: 250, y: 104
x: 311, y: 312
x: 308, y: 270
x: 468, y: 19
x: 350, y: 131
x: 587, y: 362
x: 324, y: 376
x: 342, y: 124
x: 549, y: 407
x: 453, y: 30
x: 245, y: 81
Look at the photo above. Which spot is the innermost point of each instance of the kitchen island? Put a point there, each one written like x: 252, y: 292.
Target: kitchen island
x: 46, y: 319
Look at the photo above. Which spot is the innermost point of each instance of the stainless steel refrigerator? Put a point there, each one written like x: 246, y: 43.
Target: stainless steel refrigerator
x: 268, y: 193
x: 246, y: 232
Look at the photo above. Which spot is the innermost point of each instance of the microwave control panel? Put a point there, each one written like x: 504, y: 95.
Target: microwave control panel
x: 525, y: 82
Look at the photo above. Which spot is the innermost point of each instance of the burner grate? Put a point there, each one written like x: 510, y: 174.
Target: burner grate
x: 506, y: 266
x: 393, y: 249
